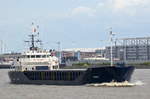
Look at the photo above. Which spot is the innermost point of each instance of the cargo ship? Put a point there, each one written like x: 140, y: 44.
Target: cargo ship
x: 38, y: 66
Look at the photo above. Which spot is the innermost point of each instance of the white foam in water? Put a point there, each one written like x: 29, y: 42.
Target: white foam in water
x: 117, y: 84
x: 139, y: 83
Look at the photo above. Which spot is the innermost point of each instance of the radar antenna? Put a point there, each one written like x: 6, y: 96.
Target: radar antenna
x: 33, y: 41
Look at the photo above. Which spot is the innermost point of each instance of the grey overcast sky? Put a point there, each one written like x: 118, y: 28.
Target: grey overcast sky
x: 75, y: 23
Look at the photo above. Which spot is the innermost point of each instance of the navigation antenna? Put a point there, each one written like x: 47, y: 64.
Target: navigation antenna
x: 33, y: 40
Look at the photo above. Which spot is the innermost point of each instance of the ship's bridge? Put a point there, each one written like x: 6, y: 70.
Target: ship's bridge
x: 32, y: 59
x: 36, y: 58
x: 37, y: 52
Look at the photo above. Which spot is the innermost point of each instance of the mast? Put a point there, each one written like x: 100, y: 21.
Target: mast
x: 111, y: 46
x: 32, y: 40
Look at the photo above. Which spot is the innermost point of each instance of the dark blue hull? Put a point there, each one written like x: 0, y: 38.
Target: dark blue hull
x: 109, y: 74
x: 72, y: 77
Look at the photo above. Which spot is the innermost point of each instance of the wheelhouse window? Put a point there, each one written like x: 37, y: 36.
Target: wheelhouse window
x: 43, y: 56
x: 32, y: 56
x: 38, y: 56
x: 28, y: 56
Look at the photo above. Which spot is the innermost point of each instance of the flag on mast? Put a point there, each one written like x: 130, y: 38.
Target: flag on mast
x: 34, y: 30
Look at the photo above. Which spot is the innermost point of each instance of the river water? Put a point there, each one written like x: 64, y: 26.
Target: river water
x: 140, y: 91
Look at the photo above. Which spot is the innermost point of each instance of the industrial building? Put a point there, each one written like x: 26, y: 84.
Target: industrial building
x: 131, y: 49
x: 126, y: 49
x: 82, y: 53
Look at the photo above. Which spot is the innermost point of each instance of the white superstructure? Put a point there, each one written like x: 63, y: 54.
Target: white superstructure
x: 36, y: 58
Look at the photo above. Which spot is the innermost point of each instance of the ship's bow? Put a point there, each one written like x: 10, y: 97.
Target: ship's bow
x: 109, y: 74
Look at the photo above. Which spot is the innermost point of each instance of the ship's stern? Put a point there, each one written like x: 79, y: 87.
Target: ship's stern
x: 17, y: 77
